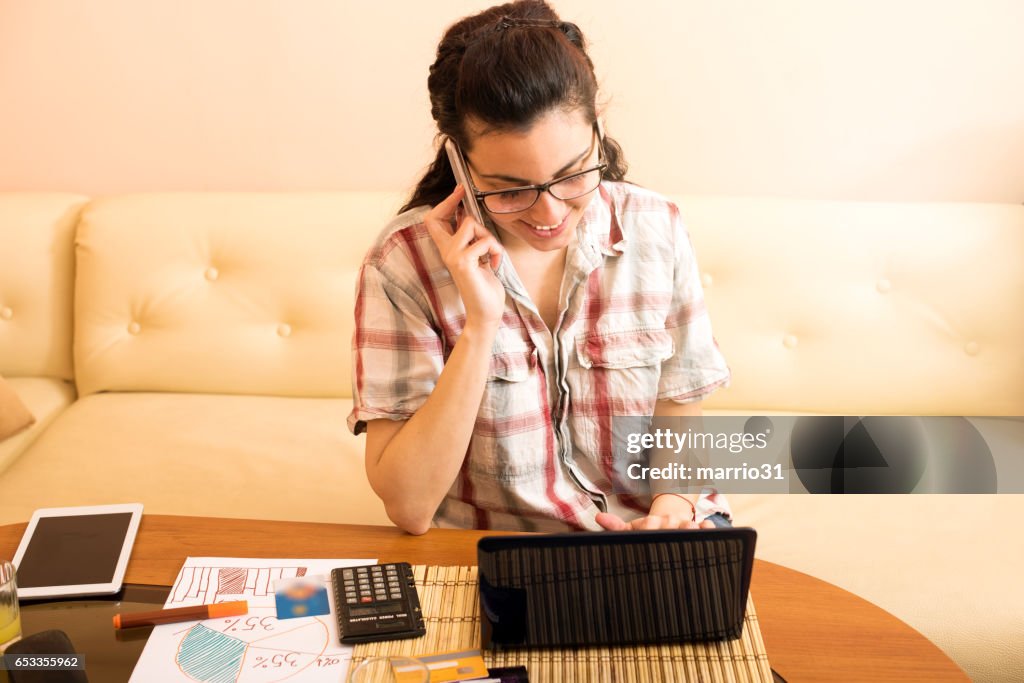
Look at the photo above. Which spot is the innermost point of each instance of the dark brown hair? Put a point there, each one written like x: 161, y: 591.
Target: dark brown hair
x: 506, y: 67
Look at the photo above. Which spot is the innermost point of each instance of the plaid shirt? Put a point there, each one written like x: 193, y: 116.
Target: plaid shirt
x: 632, y: 330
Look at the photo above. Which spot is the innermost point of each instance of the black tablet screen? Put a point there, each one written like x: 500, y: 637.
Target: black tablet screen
x: 69, y: 551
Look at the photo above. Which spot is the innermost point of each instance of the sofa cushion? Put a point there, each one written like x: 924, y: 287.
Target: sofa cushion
x: 221, y: 293
x: 36, y: 280
x: 44, y: 398
x: 14, y: 416
x: 198, y: 454
x: 855, y: 308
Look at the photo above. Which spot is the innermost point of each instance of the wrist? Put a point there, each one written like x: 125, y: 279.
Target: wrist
x: 676, y: 504
x: 482, y: 331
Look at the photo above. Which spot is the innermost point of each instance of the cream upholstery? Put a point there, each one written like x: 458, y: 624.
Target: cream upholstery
x: 262, y: 457
x: 854, y: 309
x: 45, y: 398
x: 37, y: 271
x: 240, y: 294
x: 212, y: 360
x: 36, y: 280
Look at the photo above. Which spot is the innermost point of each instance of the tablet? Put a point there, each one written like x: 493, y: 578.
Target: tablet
x: 68, y: 552
x: 614, y: 588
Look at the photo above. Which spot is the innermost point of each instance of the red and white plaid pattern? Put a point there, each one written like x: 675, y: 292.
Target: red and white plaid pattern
x: 633, y: 330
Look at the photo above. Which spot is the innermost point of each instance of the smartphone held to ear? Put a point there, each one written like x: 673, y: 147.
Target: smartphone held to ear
x: 462, y: 178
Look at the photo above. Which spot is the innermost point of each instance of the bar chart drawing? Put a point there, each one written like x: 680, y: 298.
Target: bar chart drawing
x: 209, y: 584
x: 255, y: 647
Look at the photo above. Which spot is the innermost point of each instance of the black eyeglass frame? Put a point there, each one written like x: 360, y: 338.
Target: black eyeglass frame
x: 544, y: 187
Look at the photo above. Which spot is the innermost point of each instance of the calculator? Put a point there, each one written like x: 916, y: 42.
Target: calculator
x: 377, y: 602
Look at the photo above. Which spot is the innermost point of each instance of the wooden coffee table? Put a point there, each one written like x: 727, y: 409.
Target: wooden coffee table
x: 812, y: 629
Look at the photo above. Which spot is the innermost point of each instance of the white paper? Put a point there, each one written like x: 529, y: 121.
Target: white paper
x: 255, y: 648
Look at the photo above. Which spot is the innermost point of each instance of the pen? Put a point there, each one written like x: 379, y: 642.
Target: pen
x: 169, y: 616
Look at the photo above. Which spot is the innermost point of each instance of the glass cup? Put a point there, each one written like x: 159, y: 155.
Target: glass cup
x: 382, y: 670
x: 10, y: 618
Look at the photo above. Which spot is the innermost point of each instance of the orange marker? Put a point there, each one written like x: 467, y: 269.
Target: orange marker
x: 175, y: 614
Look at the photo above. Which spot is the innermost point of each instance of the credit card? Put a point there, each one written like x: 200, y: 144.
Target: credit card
x: 304, y: 596
x: 463, y: 665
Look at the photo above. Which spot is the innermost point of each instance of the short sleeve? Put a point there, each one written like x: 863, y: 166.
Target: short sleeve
x: 697, y: 368
x: 397, y: 355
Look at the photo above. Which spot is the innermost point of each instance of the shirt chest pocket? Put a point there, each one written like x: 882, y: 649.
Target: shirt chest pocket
x: 617, y: 372
x: 510, y: 436
x: 623, y: 350
x: 513, y: 388
x: 512, y: 364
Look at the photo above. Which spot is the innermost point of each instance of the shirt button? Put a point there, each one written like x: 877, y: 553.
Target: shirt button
x: 212, y: 274
x: 883, y: 286
x: 134, y: 328
x: 972, y: 348
x: 284, y: 330
x: 790, y: 341
x: 706, y: 280
x: 6, y: 313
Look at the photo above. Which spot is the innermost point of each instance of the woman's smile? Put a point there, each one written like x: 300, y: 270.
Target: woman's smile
x: 549, y: 231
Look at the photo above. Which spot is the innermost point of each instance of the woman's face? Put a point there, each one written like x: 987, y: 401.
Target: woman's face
x: 558, y: 144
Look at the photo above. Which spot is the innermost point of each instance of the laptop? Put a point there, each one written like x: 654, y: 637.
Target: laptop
x: 614, y: 588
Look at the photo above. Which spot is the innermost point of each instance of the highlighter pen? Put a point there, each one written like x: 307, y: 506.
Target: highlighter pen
x: 175, y: 614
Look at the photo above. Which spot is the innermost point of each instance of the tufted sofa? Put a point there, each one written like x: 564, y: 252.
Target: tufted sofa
x: 191, y: 351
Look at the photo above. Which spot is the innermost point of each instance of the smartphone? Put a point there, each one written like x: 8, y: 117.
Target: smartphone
x: 462, y: 178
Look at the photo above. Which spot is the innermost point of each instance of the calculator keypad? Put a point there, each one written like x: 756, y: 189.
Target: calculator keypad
x: 377, y: 602
x: 370, y: 585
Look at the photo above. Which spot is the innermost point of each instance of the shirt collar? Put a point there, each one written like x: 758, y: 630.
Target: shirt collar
x: 600, y: 228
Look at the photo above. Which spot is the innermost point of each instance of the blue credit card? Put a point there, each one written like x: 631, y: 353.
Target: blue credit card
x: 304, y: 596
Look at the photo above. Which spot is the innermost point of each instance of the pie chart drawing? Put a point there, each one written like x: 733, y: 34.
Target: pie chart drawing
x: 230, y: 655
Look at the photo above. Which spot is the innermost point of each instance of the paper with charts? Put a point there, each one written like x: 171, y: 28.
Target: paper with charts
x: 255, y: 648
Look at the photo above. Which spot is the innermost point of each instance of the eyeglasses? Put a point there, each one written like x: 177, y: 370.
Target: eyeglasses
x: 515, y: 199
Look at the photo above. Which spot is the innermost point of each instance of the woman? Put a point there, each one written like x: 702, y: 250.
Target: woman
x: 492, y: 361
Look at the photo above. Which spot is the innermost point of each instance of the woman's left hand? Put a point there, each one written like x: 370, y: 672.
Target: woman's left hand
x: 612, y: 522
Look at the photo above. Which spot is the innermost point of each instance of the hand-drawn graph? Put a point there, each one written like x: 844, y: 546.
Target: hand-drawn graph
x: 263, y: 650
x: 255, y: 648
x: 207, y: 584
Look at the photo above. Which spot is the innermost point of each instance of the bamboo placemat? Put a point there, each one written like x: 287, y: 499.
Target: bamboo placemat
x: 449, y: 598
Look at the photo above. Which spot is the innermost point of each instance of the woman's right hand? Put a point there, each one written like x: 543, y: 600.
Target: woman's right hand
x: 471, y: 254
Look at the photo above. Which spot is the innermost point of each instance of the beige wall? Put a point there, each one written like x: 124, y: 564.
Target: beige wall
x: 894, y: 100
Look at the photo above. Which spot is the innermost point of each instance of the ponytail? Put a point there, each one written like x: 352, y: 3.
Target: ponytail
x: 436, y: 184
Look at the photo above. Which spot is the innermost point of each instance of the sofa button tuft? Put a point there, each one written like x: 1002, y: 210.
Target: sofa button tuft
x: 790, y: 341
x: 883, y: 286
x: 284, y: 330
x: 6, y: 313
x: 134, y: 328
x: 212, y: 274
x: 706, y: 280
x: 972, y: 348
